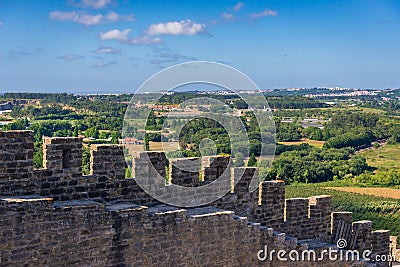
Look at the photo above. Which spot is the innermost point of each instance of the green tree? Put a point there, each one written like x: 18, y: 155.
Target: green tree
x: 239, y: 162
x: 18, y: 125
x: 252, y: 161
x: 146, y: 142
x: 76, y: 132
x: 92, y: 133
x: 104, y: 135
x: 86, y: 160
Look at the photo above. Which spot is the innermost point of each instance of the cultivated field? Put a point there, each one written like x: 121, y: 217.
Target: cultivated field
x: 134, y: 148
x: 164, y: 146
x: 373, y: 191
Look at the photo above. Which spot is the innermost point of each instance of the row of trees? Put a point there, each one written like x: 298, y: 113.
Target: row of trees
x: 317, y: 165
x: 63, y: 98
x: 350, y: 139
x: 294, y: 102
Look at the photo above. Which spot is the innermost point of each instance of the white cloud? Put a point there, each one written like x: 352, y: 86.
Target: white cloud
x: 114, y: 17
x: 265, y: 13
x: 116, y: 35
x: 103, y: 64
x: 227, y: 16
x: 146, y: 40
x: 99, y: 57
x: 183, y: 27
x: 96, y: 4
x: 88, y: 19
x: 122, y: 36
x: 165, y: 55
x: 71, y: 57
x: 1, y: 24
x: 238, y: 6
x: 106, y: 50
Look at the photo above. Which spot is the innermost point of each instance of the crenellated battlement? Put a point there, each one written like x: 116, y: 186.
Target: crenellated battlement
x: 63, y: 154
x: 16, y: 158
x: 87, y: 233
x: 55, y: 210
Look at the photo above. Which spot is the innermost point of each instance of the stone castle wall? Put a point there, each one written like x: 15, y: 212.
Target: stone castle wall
x: 57, y: 216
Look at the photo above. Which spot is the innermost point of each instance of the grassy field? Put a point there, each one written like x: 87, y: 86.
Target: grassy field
x: 365, y: 109
x: 384, y: 212
x: 315, y: 143
x: 383, y: 158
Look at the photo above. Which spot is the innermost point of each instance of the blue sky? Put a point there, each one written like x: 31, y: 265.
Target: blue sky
x: 113, y: 46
